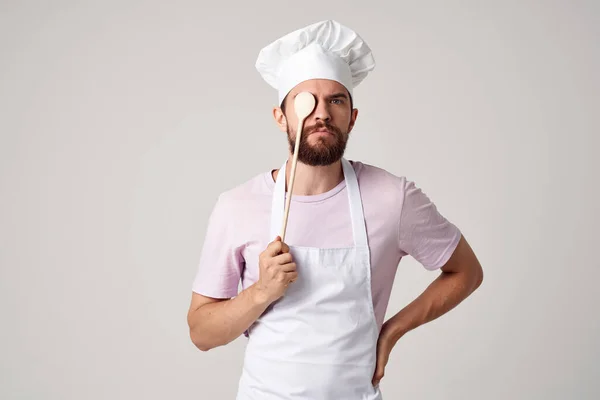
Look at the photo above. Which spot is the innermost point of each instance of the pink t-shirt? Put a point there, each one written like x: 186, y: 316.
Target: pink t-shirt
x: 400, y: 220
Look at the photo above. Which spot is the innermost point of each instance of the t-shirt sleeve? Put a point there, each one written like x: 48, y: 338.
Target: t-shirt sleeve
x: 424, y: 233
x: 221, y: 263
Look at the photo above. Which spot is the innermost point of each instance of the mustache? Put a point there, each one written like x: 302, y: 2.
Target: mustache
x: 321, y: 125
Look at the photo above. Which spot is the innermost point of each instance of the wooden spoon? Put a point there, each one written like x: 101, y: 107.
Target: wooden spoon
x: 304, y: 104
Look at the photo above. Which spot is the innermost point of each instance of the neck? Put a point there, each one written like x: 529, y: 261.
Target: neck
x: 309, y: 180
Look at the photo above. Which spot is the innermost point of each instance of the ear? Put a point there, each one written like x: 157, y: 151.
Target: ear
x: 280, y: 119
x: 352, y: 119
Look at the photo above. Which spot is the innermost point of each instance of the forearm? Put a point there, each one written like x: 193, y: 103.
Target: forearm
x: 442, y: 295
x: 216, y: 324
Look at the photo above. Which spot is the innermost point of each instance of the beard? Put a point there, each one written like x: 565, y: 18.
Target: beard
x: 325, y: 151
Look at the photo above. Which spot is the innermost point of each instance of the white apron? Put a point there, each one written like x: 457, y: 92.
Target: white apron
x: 318, y: 341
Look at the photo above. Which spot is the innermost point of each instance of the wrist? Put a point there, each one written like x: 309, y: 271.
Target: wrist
x: 259, y: 296
x: 393, y: 330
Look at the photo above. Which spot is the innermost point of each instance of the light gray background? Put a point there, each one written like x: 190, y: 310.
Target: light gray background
x: 122, y: 121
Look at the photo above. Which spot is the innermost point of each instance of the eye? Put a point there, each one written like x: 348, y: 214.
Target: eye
x: 339, y: 101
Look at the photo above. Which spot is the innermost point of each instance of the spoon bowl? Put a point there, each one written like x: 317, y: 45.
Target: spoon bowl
x: 304, y: 104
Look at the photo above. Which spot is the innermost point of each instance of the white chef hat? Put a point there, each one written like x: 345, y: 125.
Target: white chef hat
x: 323, y: 50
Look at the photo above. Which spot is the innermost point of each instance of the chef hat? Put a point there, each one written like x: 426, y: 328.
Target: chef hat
x: 323, y: 50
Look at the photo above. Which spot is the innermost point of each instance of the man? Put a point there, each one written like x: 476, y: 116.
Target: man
x: 313, y: 307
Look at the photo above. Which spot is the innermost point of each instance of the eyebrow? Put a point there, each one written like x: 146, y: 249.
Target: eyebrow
x: 333, y: 96
x: 338, y: 95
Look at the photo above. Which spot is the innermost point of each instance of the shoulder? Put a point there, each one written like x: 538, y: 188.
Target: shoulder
x: 379, y: 178
x: 245, y: 194
x: 383, y: 192
x: 387, y: 188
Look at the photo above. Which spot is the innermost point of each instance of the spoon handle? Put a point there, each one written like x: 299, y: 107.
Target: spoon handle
x: 292, y: 178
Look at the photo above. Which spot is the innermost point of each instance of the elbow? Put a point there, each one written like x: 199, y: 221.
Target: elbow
x: 203, y: 348
x: 204, y: 341
x: 478, y: 278
x: 198, y: 337
x: 195, y: 331
x: 200, y: 343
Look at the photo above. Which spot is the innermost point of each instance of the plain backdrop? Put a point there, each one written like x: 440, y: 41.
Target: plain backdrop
x: 122, y: 121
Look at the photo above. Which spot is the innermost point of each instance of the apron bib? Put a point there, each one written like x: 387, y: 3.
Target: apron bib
x: 318, y: 341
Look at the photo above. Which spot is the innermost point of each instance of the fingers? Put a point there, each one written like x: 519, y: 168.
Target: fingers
x: 291, y: 276
x: 287, y: 268
x: 283, y: 262
x: 277, y: 269
x: 378, y: 376
x: 283, y: 258
x: 276, y: 247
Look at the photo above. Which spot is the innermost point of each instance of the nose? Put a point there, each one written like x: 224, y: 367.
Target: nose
x: 321, y: 112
